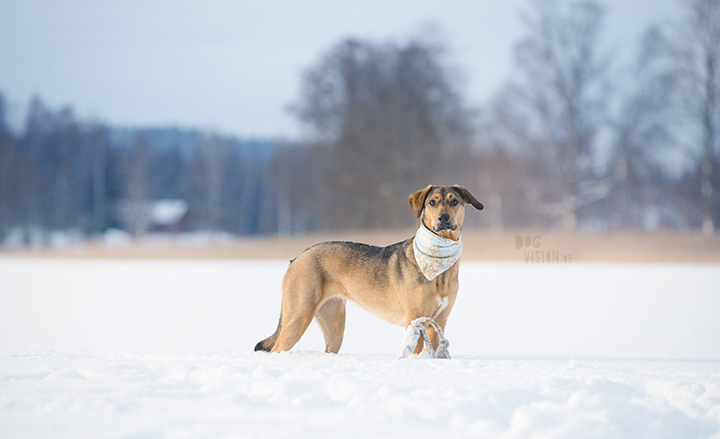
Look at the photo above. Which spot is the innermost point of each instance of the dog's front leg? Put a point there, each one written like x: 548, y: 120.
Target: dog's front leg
x: 419, y: 346
x: 432, y: 333
x: 413, y: 336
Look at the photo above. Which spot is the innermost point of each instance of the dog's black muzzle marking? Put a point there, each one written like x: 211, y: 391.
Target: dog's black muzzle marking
x: 445, y: 226
x: 443, y: 223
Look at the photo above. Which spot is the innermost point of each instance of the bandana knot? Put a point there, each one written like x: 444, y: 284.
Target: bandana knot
x: 435, y: 254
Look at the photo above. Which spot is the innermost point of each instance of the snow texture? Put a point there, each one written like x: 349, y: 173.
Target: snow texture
x: 162, y: 349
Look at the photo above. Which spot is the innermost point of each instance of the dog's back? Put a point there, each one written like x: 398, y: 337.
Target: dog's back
x: 364, y: 273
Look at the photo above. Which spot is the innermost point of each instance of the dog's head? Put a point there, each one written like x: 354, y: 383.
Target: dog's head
x: 442, y: 208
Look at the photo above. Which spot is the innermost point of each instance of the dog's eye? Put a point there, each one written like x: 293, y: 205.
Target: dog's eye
x: 454, y: 202
x: 432, y: 202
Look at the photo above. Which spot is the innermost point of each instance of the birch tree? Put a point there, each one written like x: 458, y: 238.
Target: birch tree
x: 561, y: 99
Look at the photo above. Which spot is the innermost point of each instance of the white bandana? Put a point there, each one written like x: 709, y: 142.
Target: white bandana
x: 435, y: 254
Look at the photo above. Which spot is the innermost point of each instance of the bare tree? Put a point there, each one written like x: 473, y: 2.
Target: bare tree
x: 137, y: 188
x: 558, y: 106
x: 97, y: 151
x: 389, y: 118
x: 208, y: 168
x: 53, y: 141
x: 7, y: 164
x: 699, y: 54
x: 297, y: 183
x: 647, y: 128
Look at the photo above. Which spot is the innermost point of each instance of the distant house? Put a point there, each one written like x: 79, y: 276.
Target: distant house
x: 165, y: 215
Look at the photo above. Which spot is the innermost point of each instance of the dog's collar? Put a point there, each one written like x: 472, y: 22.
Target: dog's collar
x: 435, y: 254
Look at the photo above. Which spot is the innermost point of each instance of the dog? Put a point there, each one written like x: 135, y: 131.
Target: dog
x: 399, y: 283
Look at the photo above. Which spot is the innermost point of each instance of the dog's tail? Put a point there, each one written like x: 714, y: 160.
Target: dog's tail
x: 267, y: 344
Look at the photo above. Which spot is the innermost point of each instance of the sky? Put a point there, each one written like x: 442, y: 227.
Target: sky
x: 235, y: 66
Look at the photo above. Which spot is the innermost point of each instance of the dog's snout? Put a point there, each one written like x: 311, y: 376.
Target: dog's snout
x: 444, y: 217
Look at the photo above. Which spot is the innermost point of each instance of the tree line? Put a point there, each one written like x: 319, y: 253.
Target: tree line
x: 64, y: 174
x: 572, y: 140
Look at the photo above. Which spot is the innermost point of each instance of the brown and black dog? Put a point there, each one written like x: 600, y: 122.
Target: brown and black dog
x: 386, y: 281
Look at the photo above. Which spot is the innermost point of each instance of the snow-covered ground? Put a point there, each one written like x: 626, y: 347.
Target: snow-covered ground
x: 163, y: 349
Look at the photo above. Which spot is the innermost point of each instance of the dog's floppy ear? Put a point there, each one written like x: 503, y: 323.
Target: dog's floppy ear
x: 468, y: 197
x: 417, y: 200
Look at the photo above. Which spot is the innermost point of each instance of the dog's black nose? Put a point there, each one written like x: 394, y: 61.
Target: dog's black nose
x: 444, y: 217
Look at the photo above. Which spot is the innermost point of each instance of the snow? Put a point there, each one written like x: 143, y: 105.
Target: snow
x: 163, y: 349
x: 168, y: 212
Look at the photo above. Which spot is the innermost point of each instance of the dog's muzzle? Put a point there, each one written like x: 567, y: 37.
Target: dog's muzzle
x: 444, y: 226
x: 444, y: 223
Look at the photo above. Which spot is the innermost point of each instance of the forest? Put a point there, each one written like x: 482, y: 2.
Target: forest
x: 576, y: 139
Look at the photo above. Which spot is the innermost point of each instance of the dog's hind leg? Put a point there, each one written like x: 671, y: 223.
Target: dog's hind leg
x: 301, y: 301
x: 331, y: 317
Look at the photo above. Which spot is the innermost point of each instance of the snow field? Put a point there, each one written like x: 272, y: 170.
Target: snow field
x: 312, y: 395
x: 162, y: 349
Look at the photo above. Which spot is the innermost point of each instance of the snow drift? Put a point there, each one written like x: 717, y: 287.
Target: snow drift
x: 162, y: 349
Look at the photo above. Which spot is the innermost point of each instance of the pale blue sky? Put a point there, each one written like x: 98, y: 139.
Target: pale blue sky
x: 234, y: 66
